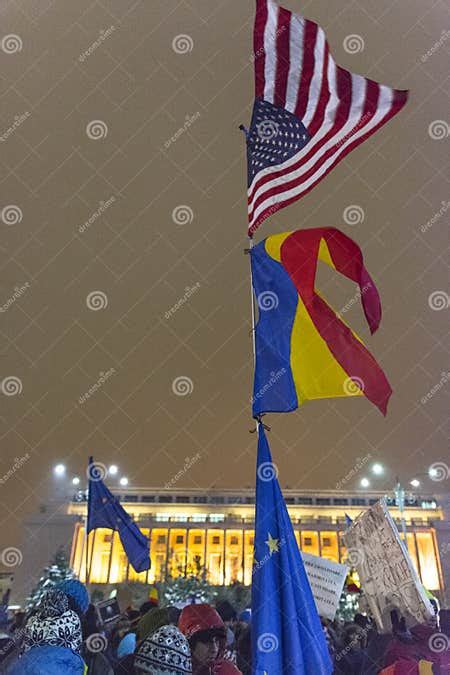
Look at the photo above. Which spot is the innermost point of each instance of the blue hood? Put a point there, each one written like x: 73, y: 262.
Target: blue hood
x: 48, y: 660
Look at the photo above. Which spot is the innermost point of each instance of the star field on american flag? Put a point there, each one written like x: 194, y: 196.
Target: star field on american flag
x: 275, y: 135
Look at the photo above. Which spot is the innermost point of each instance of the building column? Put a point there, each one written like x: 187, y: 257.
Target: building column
x: 150, y: 553
x: 224, y: 553
x: 186, y: 551
x: 167, y: 554
x: 338, y: 534
x: 205, y: 539
x: 110, y: 556
x: 243, y: 556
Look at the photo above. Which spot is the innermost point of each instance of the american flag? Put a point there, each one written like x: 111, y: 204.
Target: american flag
x: 309, y: 113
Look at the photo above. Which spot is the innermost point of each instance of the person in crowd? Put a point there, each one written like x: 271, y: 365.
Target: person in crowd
x: 164, y: 652
x: 246, y: 616
x: 127, y: 645
x: 206, y: 633
x: 17, y: 626
x: 154, y: 618
x: 352, y: 658
x: 227, y: 613
x: 121, y: 628
x: 77, y: 595
x: 52, y: 640
x: 93, y: 641
x: 8, y: 647
x: 331, y: 642
x: 410, y: 646
x: 145, y: 607
x: 244, y: 649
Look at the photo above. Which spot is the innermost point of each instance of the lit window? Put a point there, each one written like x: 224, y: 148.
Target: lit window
x: 162, y: 518
x: 161, y: 539
x: 217, y: 517
x: 179, y: 539
x: 198, y: 518
x: 216, y: 539
x: 427, y: 560
x: 234, y: 541
x: 197, y: 539
x: 326, y: 542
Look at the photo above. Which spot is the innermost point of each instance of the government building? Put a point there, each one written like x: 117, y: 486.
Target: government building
x: 194, y: 532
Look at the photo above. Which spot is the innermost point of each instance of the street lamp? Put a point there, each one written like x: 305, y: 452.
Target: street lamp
x: 123, y: 481
x: 113, y: 469
x: 365, y: 483
x: 378, y: 469
x: 59, y: 470
x: 414, y: 482
x: 75, y: 480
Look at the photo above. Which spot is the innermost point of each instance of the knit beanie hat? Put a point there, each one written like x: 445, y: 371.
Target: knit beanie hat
x: 53, y: 624
x: 74, y: 589
x: 166, y: 651
x: 151, y: 621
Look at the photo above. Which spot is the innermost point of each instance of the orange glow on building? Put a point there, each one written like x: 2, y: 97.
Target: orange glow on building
x: 187, y: 538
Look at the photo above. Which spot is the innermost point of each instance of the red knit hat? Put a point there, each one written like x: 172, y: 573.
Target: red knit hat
x: 195, y: 618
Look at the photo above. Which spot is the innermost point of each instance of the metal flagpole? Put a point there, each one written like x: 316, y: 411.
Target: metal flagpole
x: 252, y: 297
x: 87, y: 551
x: 86, y: 576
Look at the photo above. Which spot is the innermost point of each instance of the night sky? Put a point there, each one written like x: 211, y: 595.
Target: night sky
x: 123, y: 228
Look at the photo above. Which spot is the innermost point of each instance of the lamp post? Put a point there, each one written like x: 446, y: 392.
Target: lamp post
x: 399, y: 491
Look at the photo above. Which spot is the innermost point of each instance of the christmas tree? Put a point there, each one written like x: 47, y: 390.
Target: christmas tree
x: 186, y: 590
x: 58, y: 570
x: 188, y: 585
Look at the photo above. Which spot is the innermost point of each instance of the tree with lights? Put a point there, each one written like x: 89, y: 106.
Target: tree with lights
x: 189, y: 585
x: 58, y: 570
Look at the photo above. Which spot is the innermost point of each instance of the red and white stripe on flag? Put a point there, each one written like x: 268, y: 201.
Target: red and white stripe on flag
x: 295, y: 70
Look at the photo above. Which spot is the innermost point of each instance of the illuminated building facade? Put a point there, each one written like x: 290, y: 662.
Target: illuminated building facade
x: 191, y: 531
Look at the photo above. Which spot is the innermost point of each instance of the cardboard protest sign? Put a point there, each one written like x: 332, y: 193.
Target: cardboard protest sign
x: 326, y: 579
x: 387, y: 575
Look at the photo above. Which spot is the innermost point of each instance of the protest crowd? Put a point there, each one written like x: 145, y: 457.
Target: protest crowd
x: 65, y: 633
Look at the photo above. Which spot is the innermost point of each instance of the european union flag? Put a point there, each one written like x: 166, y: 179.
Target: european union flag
x: 288, y: 636
x: 105, y: 510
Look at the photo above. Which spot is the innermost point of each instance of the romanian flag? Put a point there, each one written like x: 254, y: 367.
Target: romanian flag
x: 304, y: 350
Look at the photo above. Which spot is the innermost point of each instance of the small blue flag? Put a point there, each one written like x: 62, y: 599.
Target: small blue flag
x: 288, y: 635
x: 105, y: 510
x: 348, y: 520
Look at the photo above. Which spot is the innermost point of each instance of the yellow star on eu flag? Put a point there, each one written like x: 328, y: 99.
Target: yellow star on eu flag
x: 273, y: 544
